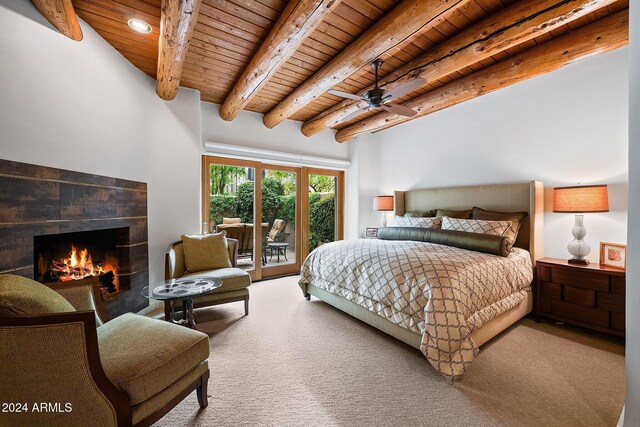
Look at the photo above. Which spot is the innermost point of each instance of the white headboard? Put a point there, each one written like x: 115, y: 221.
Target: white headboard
x: 516, y: 197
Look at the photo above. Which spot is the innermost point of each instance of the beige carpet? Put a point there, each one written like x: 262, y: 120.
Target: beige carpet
x: 294, y: 362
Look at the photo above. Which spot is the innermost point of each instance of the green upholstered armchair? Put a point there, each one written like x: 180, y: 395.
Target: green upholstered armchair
x: 56, y: 352
x: 235, y: 282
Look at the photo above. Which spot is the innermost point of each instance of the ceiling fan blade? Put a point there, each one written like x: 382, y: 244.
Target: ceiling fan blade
x: 355, y: 114
x: 400, y: 110
x: 344, y: 94
x: 405, y: 88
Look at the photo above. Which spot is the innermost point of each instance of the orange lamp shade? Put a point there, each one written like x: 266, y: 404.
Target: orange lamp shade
x: 582, y: 199
x: 383, y: 203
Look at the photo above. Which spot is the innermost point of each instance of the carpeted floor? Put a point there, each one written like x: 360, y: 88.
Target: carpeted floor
x: 300, y: 363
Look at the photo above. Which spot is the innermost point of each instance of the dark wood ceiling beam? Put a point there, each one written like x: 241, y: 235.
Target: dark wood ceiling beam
x: 507, y: 28
x: 601, y: 36
x: 60, y: 14
x: 299, y: 19
x: 393, y: 29
x: 177, y: 21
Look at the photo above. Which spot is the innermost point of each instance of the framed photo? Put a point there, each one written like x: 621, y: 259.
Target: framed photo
x: 371, y: 233
x: 613, y: 255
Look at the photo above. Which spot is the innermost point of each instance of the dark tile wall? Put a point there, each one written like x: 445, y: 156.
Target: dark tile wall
x: 37, y: 200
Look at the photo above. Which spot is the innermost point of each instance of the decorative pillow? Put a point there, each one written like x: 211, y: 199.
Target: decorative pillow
x: 421, y: 214
x: 480, y: 226
x: 231, y: 220
x: 464, y: 214
x: 516, y: 219
x: 206, y: 252
x: 401, y: 221
x: 20, y: 296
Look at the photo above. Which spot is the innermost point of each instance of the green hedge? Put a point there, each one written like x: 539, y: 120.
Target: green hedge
x: 276, y: 205
x: 322, y: 214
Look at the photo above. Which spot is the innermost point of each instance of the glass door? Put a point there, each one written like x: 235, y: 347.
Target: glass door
x: 323, y: 208
x: 280, y: 217
x: 278, y: 214
x: 230, y: 205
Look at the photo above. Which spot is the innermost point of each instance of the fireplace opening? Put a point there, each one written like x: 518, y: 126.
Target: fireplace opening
x: 87, y: 256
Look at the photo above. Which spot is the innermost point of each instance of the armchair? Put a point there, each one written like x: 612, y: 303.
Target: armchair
x: 235, y: 282
x: 129, y: 371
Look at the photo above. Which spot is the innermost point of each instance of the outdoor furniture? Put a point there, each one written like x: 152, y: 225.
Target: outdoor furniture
x: 242, y: 232
x: 280, y: 248
x: 131, y: 370
x: 277, y: 233
x: 235, y: 282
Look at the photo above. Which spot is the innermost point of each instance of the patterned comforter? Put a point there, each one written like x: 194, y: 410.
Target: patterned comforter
x: 441, y: 292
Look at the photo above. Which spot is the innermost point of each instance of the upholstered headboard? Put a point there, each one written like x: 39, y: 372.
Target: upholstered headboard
x: 517, y: 197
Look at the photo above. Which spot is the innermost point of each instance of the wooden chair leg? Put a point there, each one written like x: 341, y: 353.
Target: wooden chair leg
x: 246, y: 305
x: 201, y: 391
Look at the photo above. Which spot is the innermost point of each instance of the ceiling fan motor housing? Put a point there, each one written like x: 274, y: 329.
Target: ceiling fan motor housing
x: 375, y: 97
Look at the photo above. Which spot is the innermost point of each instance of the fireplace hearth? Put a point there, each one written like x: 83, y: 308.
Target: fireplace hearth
x: 45, y: 213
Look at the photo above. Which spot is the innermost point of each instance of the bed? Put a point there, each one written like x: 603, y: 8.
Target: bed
x: 444, y: 300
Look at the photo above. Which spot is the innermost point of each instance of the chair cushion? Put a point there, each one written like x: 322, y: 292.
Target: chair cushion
x: 205, y: 252
x: 232, y: 278
x: 144, y: 356
x: 20, y: 296
x: 231, y: 220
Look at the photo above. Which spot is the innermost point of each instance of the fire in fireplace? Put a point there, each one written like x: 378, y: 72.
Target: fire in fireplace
x: 90, y: 256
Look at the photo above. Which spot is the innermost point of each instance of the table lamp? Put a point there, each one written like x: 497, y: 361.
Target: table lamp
x: 580, y: 200
x: 383, y: 204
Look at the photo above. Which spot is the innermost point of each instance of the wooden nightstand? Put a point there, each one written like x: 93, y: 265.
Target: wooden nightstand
x: 590, y: 296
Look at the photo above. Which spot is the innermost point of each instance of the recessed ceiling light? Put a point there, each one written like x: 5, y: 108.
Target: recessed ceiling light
x: 139, y: 26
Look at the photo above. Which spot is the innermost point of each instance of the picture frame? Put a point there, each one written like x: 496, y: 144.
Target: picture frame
x: 371, y: 232
x: 613, y: 255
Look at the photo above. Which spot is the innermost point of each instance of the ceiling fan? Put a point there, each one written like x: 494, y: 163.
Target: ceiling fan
x: 379, y: 98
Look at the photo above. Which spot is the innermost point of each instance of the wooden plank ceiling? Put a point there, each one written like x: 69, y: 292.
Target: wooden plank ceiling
x: 228, y: 33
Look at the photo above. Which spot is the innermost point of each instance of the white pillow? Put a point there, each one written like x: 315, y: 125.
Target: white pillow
x: 480, y: 226
x: 429, y: 222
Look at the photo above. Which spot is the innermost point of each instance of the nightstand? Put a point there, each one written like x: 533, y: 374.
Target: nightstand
x: 591, y: 296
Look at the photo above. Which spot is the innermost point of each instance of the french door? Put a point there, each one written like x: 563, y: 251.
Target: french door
x: 278, y: 214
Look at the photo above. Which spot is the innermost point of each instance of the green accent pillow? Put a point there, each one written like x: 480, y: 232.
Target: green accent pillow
x: 421, y: 214
x: 20, y: 296
x: 463, y: 214
x: 208, y: 252
x: 487, y: 243
x: 516, y: 219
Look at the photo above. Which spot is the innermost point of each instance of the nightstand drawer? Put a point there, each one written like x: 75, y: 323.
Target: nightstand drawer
x: 580, y: 279
x: 550, y: 290
x: 583, y: 297
x: 588, y: 315
x: 611, y: 302
x: 618, y: 285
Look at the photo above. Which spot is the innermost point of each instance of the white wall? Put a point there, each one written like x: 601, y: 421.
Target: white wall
x: 632, y: 402
x: 561, y: 128
x: 83, y: 107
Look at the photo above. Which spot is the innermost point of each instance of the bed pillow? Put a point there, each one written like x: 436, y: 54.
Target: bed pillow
x: 432, y: 222
x: 479, y: 226
x: 208, y: 252
x: 463, y: 214
x: 486, y: 243
x: 421, y: 214
x: 516, y: 219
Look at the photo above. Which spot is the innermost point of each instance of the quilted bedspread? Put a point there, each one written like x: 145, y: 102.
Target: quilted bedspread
x: 441, y: 292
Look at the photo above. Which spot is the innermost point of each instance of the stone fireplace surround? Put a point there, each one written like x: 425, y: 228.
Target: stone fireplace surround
x: 38, y: 200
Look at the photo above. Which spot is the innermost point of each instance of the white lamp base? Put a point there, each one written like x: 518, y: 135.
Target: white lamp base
x: 384, y: 219
x: 578, y: 247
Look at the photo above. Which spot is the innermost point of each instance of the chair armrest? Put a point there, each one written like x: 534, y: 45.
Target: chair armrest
x: 232, y: 245
x: 55, y: 358
x: 83, y: 298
